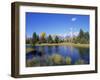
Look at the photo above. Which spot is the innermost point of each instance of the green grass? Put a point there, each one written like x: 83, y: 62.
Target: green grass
x: 63, y: 44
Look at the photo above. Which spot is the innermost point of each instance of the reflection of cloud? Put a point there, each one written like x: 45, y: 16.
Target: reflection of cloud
x: 74, y: 19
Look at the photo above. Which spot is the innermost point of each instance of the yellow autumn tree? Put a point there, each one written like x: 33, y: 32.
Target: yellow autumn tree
x: 43, y: 37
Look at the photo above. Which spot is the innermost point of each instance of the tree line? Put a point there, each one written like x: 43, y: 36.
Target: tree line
x: 83, y: 38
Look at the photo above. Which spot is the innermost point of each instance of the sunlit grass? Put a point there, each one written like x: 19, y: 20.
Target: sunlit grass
x: 68, y: 60
x: 63, y: 44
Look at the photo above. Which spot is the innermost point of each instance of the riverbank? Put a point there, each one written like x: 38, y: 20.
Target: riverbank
x: 29, y: 50
x: 62, y: 44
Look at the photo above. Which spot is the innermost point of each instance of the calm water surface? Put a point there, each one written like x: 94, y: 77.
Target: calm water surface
x: 56, y: 55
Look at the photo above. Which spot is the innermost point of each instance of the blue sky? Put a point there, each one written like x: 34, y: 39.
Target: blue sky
x: 55, y: 23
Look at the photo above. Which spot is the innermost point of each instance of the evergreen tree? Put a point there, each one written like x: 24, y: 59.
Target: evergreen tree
x: 56, y: 39
x: 82, y: 38
x: 34, y: 38
x: 81, y: 33
x: 50, y: 40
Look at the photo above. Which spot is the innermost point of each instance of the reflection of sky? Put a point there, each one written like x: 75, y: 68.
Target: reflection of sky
x: 55, y: 23
x: 75, y: 54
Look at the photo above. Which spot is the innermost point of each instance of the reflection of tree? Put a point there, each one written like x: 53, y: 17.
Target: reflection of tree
x: 71, y: 48
x: 56, y: 49
x: 84, y: 52
x: 50, y: 49
x: 42, y: 49
x: 34, y: 47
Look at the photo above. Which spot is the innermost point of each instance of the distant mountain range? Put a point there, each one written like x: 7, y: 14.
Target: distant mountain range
x: 65, y: 35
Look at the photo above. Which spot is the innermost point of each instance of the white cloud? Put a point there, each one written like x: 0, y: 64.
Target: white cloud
x: 73, y: 19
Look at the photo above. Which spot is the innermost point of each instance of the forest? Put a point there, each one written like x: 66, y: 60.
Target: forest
x: 82, y: 38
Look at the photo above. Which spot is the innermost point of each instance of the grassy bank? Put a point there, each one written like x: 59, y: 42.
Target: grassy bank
x: 29, y: 50
x: 63, y: 44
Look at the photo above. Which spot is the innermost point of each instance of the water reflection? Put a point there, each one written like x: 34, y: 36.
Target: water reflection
x: 57, y: 55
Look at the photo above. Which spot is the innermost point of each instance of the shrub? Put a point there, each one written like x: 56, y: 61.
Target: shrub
x: 68, y: 60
